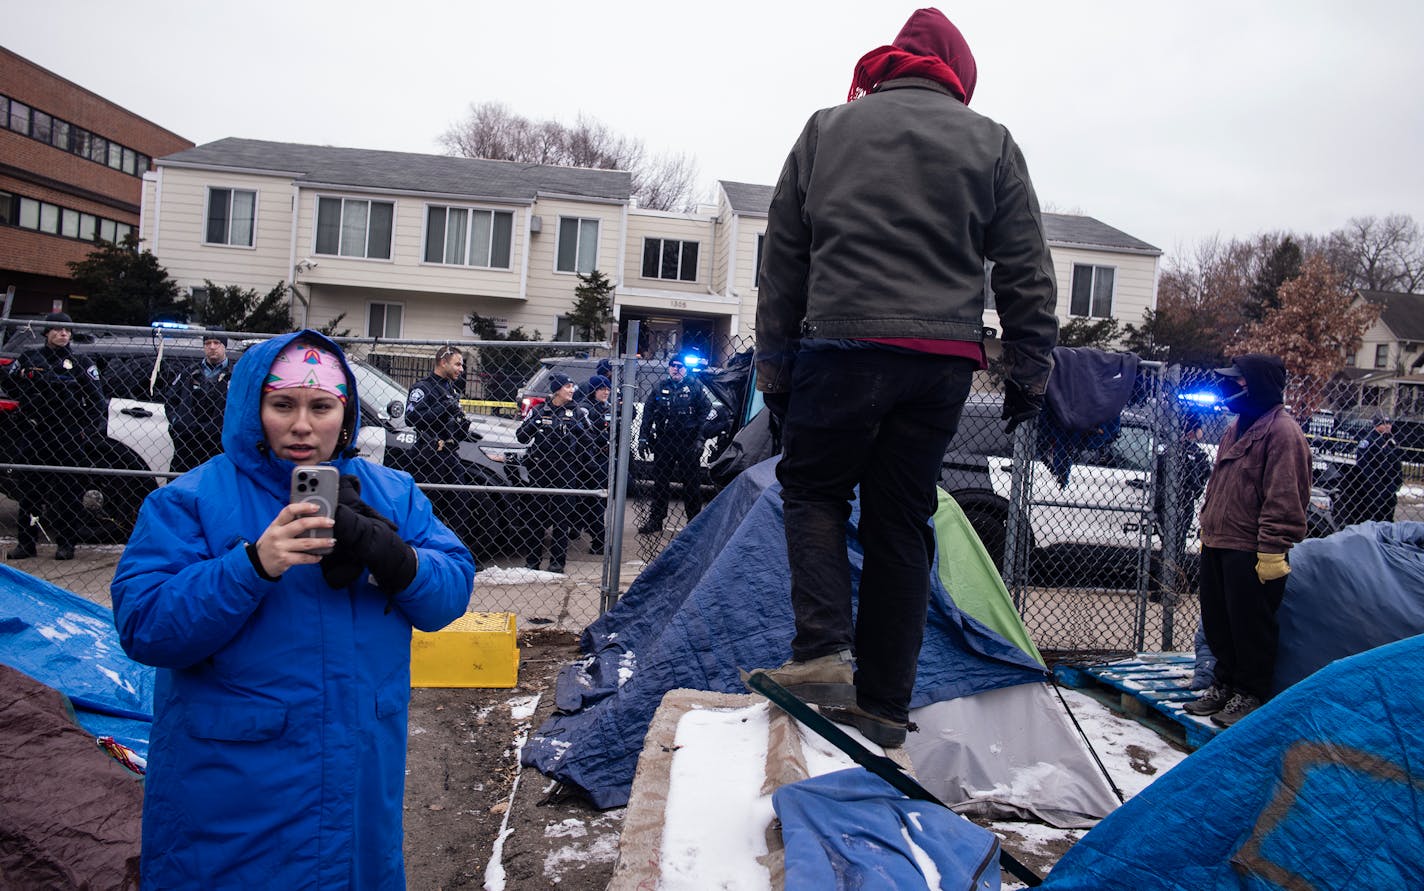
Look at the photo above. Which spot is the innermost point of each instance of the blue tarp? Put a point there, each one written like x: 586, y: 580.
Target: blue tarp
x: 1320, y: 788
x: 1358, y: 589
x: 851, y: 829
x: 69, y: 643
x: 718, y: 599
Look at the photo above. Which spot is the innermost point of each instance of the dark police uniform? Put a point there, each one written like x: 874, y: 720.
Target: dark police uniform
x: 196, y: 400
x: 560, y: 440
x: 591, y: 507
x: 433, y: 410
x: 63, y: 411
x: 673, y: 420
x: 1371, y: 488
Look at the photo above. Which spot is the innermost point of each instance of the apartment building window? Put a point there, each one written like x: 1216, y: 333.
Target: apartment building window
x: 669, y: 259
x: 384, y: 320
x: 354, y: 227
x: 232, y: 215
x: 578, y: 245
x: 1382, y: 355
x: 1092, y: 291
x: 469, y: 237
x: 19, y: 117
x: 65, y: 136
x: 41, y: 216
x: 564, y: 330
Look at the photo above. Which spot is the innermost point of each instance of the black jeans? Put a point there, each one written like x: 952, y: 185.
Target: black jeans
x: 881, y: 420
x: 1239, y: 617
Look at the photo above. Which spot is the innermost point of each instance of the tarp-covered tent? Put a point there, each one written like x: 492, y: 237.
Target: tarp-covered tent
x: 1320, y: 788
x: 69, y: 814
x: 1358, y: 589
x: 717, y: 599
x: 69, y: 643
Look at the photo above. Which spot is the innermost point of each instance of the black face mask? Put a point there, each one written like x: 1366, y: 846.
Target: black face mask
x: 1233, y: 391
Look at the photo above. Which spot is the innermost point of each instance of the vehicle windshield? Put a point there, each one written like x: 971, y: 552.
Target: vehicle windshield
x: 377, y: 389
x: 1133, y: 448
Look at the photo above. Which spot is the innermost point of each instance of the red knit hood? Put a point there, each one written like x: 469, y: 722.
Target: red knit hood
x: 929, y: 45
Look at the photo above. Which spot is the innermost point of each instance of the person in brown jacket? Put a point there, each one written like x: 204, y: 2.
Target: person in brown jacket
x: 1254, y: 511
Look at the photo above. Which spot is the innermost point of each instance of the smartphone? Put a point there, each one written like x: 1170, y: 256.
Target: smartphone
x: 317, y: 485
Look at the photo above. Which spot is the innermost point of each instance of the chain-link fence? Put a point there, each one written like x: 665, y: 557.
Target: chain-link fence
x: 1096, y: 532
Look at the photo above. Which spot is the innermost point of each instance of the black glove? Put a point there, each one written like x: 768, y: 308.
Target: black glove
x: 1020, y: 406
x: 366, y: 538
x: 777, y: 404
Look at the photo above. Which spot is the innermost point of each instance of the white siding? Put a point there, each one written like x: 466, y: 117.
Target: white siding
x: 182, y: 224
x: 1134, y: 283
x: 645, y: 225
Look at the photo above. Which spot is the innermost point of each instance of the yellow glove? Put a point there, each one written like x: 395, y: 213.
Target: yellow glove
x: 1270, y: 567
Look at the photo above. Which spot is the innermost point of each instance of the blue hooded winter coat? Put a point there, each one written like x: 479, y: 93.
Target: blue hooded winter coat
x: 277, y: 756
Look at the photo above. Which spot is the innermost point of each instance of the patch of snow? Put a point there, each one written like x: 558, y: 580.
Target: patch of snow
x: 515, y: 575
x: 521, y: 708
x: 570, y: 828
x: 1113, y: 734
x: 822, y: 757
x: 416, y: 731
x: 716, y: 780
x: 603, y: 849
x: 1411, y: 491
x: 922, y: 859
x: 494, y: 870
x: 627, y: 664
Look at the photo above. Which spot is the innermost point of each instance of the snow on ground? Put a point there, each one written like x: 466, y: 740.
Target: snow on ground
x: 515, y: 575
x: 716, y: 819
x: 494, y: 869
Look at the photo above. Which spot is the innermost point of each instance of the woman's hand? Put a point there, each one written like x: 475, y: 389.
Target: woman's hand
x: 280, y: 547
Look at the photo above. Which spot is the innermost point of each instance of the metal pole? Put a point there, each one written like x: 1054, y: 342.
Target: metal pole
x: 1173, y: 537
x: 613, y: 533
x: 1016, y: 568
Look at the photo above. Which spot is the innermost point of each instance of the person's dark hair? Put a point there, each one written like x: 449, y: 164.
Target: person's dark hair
x: 445, y: 352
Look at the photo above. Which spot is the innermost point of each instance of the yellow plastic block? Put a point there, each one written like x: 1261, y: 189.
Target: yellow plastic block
x: 475, y: 650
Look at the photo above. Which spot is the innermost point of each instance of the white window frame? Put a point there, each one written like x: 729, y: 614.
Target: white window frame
x: 469, y: 236
x: 1094, y: 270
x: 385, y: 318
x: 578, y: 244
x: 662, y: 252
x: 207, y: 207
x: 1381, y: 355
x: 341, y: 228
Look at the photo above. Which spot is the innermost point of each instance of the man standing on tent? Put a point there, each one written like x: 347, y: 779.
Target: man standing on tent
x: 869, y: 328
x: 1254, y: 512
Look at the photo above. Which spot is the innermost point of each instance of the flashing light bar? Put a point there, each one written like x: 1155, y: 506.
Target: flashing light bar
x: 694, y: 362
x: 1204, y: 398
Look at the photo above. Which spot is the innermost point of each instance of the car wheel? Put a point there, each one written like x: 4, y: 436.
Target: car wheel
x: 112, y: 502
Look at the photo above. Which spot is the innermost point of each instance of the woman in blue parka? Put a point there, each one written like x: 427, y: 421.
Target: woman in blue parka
x: 277, y: 757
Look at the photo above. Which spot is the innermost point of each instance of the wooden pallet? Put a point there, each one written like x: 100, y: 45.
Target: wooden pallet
x: 1150, y: 682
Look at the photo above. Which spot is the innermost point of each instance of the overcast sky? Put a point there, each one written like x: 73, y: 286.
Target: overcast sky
x: 1171, y: 121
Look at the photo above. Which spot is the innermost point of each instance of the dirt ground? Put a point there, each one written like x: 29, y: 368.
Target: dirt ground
x: 461, y: 766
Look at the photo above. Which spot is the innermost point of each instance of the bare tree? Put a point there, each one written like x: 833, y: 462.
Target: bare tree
x: 1316, y: 324
x: 491, y: 130
x: 1379, y: 254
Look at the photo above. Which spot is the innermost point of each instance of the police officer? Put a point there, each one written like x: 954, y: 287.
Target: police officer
x: 673, y: 419
x: 1371, y: 489
x: 433, y: 410
x: 63, y: 409
x: 599, y: 405
x: 560, y: 436
x: 196, y: 399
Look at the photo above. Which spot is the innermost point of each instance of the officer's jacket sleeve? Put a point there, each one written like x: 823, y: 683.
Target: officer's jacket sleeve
x: 175, y: 603
x: 650, y: 415
x: 785, y: 265
x: 421, y: 409
x: 445, y: 575
x: 527, y: 427
x: 88, y: 379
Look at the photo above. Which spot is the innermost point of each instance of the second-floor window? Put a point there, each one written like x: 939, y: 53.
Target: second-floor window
x: 232, y: 215
x: 384, y: 320
x: 468, y: 237
x: 669, y: 259
x: 578, y: 245
x: 1382, y: 355
x: 1092, y: 291
x: 354, y: 227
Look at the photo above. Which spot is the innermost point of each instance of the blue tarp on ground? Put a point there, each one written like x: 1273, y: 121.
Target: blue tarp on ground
x: 851, y: 829
x: 1320, y: 788
x: 1358, y: 589
x: 69, y: 643
x: 718, y: 599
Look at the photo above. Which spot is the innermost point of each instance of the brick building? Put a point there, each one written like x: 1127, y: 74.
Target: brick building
x: 71, y: 172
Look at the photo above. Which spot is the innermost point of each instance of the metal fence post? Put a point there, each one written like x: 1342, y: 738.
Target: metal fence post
x: 613, y: 559
x: 1016, y: 551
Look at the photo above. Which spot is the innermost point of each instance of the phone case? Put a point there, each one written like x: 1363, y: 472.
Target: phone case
x: 317, y: 485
